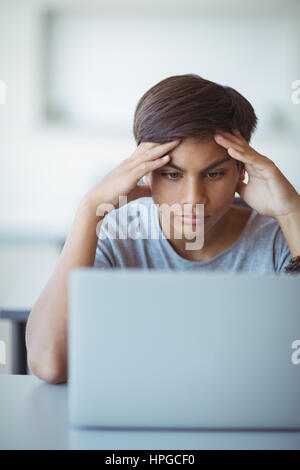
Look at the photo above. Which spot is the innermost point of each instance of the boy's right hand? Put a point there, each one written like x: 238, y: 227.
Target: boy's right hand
x: 123, y: 179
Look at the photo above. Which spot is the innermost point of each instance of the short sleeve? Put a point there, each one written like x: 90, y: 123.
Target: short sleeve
x: 104, y: 254
x: 282, y: 252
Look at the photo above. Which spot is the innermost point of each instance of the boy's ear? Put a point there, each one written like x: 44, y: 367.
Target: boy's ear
x: 242, y: 170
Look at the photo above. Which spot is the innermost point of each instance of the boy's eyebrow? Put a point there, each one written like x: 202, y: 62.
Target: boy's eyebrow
x: 210, y: 167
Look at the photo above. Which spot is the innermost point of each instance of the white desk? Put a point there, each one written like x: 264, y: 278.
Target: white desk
x: 34, y: 415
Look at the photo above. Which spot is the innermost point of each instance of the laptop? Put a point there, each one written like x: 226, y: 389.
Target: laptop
x: 181, y: 349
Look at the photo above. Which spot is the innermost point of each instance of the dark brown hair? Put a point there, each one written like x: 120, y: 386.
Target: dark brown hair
x: 189, y: 106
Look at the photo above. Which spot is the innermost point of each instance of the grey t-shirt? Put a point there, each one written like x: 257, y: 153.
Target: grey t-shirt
x: 131, y: 237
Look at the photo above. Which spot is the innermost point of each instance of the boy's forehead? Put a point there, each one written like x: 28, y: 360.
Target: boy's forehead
x: 194, y: 147
x: 191, y: 153
x: 207, y: 166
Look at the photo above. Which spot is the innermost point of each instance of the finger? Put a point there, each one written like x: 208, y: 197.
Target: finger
x: 159, y: 151
x: 247, y: 158
x: 234, y: 153
x: 237, y: 133
x: 236, y: 136
x: 230, y: 137
x: 227, y: 143
x: 142, y: 147
x: 146, y: 145
x: 152, y: 153
x: 145, y: 167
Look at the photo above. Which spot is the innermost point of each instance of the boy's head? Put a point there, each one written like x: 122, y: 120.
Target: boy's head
x: 184, y: 106
x: 193, y: 109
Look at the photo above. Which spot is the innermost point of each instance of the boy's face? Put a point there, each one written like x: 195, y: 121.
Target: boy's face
x: 215, y: 188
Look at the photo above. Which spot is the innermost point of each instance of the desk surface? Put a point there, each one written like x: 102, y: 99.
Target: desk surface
x: 34, y: 415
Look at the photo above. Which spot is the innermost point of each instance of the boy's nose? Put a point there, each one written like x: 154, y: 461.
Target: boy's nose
x: 193, y: 192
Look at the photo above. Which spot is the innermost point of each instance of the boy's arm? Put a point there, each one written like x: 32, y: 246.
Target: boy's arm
x: 46, y: 329
x: 290, y: 226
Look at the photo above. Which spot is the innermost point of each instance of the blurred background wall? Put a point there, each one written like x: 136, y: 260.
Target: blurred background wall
x: 74, y: 71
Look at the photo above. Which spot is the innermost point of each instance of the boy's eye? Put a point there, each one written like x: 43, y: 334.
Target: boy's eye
x: 170, y: 174
x: 212, y: 175
x: 215, y: 174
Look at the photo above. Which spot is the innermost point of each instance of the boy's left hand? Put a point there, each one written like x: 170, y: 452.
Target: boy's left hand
x: 267, y: 191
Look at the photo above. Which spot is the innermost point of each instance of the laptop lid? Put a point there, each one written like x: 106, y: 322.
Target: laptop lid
x: 178, y: 349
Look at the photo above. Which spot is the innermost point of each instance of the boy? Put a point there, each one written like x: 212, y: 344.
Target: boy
x: 192, y: 151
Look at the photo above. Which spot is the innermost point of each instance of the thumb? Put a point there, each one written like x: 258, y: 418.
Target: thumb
x: 144, y: 190
x: 140, y: 190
